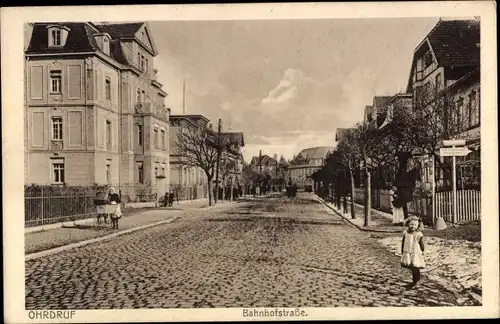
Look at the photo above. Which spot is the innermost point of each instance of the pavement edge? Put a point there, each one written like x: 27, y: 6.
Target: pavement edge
x: 59, y: 249
x: 349, y: 221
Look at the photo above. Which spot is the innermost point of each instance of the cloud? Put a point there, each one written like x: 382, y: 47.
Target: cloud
x: 289, y: 143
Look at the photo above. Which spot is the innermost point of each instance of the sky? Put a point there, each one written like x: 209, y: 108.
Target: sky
x: 286, y: 84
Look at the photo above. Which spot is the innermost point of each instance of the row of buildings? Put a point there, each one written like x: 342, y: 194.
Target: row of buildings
x: 95, y: 112
x: 444, y: 82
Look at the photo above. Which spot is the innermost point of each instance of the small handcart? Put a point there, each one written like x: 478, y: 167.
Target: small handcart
x: 105, y: 211
x: 103, y: 208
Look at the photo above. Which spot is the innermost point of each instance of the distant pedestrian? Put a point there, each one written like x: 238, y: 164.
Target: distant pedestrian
x: 114, y: 199
x: 397, y: 206
x: 345, y: 203
x: 412, y: 248
x: 166, y: 199
x: 171, y: 199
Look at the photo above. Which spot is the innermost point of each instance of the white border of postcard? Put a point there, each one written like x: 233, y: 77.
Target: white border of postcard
x: 13, y: 155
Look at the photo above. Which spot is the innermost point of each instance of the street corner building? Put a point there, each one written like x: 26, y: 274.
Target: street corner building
x: 94, y: 111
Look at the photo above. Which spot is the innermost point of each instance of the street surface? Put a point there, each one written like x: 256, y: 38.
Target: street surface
x: 268, y: 252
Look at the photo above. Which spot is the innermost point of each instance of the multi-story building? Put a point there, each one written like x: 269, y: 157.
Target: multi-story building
x: 187, y: 182
x: 306, y: 163
x: 232, y: 159
x: 94, y: 110
x: 265, y: 164
x: 446, y: 66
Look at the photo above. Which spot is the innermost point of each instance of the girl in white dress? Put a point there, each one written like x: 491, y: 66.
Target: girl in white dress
x: 412, y: 248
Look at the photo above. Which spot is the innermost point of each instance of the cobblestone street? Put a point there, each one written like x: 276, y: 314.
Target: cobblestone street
x: 268, y: 252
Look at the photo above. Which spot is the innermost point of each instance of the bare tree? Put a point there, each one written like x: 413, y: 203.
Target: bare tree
x: 198, y: 147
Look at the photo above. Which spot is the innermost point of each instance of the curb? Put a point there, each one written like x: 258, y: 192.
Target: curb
x: 40, y: 254
x: 361, y: 228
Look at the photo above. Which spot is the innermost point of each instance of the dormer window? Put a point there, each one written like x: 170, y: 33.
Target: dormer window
x: 103, y: 42
x: 105, y: 46
x: 57, y: 35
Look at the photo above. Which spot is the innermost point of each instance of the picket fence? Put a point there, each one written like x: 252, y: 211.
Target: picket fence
x: 468, y: 205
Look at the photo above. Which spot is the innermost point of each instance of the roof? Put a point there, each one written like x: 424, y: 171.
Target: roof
x: 266, y: 160
x: 454, y: 42
x: 235, y: 136
x: 119, y: 31
x: 317, y: 152
x: 81, y: 39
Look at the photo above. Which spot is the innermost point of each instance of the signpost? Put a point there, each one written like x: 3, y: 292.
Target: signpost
x: 454, y: 151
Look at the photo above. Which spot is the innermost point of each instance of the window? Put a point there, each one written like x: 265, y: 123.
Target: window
x: 105, y: 45
x: 439, y: 82
x: 109, y: 142
x: 163, y: 139
x: 58, y: 172
x: 55, y: 81
x: 163, y: 171
x: 57, y: 128
x: 459, y: 114
x: 156, y: 138
x: 473, y: 109
x: 138, y: 99
x: 108, y: 171
x: 140, y: 172
x: 142, y: 62
x: 56, y: 37
x: 139, y: 60
x: 143, y: 96
x: 156, y: 171
x: 140, y: 134
x: 146, y: 68
x: 427, y: 59
x: 108, y: 89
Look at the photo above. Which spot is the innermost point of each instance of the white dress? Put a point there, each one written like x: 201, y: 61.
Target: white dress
x: 397, y: 213
x: 412, y: 254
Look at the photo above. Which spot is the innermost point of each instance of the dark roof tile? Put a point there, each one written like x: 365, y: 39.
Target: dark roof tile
x: 126, y: 30
x: 455, y: 42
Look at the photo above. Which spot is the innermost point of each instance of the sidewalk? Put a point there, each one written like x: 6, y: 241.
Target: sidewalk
x: 61, y: 236
x: 379, y: 221
x: 452, y: 255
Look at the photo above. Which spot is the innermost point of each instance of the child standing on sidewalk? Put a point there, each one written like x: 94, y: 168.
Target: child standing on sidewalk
x: 412, y: 248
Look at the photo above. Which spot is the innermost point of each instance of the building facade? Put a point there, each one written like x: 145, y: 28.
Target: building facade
x: 94, y: 110
x: 446, y: 66
x: 186, y: 182
x: 304, y: 164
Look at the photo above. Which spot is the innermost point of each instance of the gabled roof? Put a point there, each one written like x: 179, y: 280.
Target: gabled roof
x: 127, y: 31
x: 236, y: 137
x: 266, y: 160
x: 119, y: 31
x: 454, y: 42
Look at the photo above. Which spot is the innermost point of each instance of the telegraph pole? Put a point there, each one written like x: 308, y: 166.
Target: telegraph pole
x: 219, y: 148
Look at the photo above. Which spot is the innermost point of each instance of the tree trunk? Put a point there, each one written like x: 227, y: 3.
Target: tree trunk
x: 209, y: 191
x: 353, y: 212
x: 403, y: 165
x: 368, y: 197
